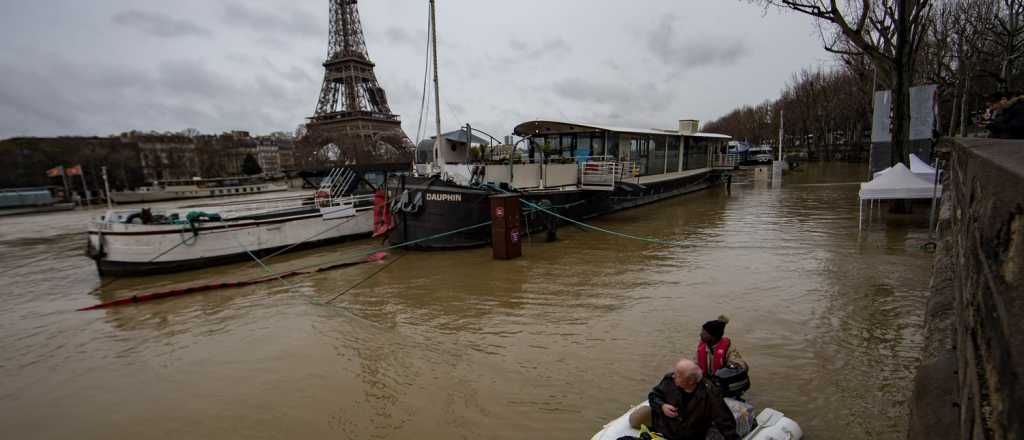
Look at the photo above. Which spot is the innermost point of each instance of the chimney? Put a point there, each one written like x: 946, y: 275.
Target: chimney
x: 688, y: 126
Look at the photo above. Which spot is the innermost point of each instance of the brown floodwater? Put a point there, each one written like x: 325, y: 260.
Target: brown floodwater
x: 457, y: 345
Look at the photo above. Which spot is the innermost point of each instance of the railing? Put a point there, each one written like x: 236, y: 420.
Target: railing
x: 602, y: 174
x: 725, y: 160
x: 346, y: 201
x: 336, y: 182
x: 607, y: 173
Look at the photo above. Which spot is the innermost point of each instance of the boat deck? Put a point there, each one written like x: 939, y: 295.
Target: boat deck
x: 643, y: 180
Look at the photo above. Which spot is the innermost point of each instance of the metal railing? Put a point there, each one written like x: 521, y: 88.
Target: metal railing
x: 345, y: 201
x: 729, y: 160
x: 607, y: 173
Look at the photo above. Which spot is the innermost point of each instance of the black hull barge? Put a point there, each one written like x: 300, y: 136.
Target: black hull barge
x: 578, y: 171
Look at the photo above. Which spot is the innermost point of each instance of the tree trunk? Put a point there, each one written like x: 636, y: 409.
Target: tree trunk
x: 953, y: 117
x: 901, y: 101
x: 966, y: 81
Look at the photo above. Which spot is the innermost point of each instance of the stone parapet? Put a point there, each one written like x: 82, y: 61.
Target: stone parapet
x: 969, y: 384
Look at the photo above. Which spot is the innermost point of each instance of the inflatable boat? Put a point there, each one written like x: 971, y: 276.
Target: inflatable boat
x: 770, y: 424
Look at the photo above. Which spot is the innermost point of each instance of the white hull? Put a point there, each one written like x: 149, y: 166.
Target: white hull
x: 126, y: 248
x: 146, y: 195
x: 771, y: 425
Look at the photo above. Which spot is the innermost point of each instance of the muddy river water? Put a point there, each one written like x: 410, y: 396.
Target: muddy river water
x: 457, y: 345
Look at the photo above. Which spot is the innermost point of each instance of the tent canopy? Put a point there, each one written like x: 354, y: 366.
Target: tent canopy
x: 918, y: 166
x: 898, y: 182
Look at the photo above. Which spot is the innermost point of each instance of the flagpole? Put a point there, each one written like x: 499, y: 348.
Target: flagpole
x: 106, y: 187
x: 85, y: 189
x: 67, y: 189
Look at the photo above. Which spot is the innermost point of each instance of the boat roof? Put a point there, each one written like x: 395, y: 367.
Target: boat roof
x: 536, y: 127
x: 458, y: 136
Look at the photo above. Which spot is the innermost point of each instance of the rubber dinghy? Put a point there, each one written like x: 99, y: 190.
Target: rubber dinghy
x: 771, y: 424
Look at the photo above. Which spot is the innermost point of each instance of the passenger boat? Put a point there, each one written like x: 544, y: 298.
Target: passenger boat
x: 147, y: 241
x: 575, y: 170
x: 196, y: 188
x: 16, y: 201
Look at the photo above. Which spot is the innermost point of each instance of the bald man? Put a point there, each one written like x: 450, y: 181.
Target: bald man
x: 684, y: 406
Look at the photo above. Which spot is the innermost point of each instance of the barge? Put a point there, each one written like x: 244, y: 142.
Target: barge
x: 150, y: 241
x: 575, y: 170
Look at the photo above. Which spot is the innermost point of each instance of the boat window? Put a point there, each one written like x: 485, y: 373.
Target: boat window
x: 597, y: 145
x: 657, y: 155
x: 672, y: 161
x: 583, y: 146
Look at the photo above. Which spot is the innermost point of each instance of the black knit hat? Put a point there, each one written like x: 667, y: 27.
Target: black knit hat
x: 716, y: 328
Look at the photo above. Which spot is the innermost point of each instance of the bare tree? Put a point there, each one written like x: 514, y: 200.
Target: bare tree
x: 1007, y: 38
x: 888, y: 32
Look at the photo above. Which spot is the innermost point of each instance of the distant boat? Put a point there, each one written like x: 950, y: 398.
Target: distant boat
x: 196, y: 188
x: 15, y: 201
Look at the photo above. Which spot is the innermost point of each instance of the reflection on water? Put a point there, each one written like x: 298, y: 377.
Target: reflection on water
x: 455, y: 345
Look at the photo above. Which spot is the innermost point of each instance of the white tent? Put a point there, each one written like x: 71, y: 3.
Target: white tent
x: 919, y: 167
x: 897, y: 182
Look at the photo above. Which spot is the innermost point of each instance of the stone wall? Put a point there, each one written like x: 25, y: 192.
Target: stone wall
x: 969, y: 384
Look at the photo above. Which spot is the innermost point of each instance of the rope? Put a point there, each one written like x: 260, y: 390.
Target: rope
x: 254, y: 257
x: 426, y: 76
x: 595, y: 228
x: 364, y: 280
x: 402, y: 245
x: 115, y: 279
x: 307, y: 239
x: 606, y: 231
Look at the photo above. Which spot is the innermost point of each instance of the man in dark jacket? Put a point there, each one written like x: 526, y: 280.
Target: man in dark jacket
x: 684, y: 406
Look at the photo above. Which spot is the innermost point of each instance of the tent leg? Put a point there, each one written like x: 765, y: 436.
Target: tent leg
x: 860, y: 215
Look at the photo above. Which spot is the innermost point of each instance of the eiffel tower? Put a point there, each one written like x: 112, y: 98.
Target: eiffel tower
x: 353, y: 111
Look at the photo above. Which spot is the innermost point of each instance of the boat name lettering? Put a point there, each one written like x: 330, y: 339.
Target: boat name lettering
x: 444, y: 197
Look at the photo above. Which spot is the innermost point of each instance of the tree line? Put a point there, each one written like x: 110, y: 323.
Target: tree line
x: 972, y: 49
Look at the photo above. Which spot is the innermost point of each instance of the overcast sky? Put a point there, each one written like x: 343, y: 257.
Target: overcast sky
x: 106, y: 66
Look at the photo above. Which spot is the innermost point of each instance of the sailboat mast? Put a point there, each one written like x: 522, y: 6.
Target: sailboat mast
x: 437, y: 92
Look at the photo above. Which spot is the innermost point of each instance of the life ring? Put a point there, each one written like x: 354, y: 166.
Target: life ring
x: 322, y: 195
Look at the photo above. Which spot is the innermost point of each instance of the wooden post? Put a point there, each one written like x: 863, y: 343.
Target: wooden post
x: 505, y: 227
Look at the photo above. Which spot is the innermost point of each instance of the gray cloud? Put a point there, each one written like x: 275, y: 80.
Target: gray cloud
x: 552, y: 47
x: 158, y: 24
x: 629, y: 94
x: 683, y: 54
x: 398, y: 36
x: 289, y: 21
x: 193, y: 77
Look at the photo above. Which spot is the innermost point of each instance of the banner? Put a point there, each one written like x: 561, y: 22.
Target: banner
x: 923, y: 109
x: 55, y: 171
x: 74, y: 171
x: 880, y: 121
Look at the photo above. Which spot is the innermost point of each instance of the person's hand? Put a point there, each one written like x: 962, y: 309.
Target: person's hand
x: 669, y: 411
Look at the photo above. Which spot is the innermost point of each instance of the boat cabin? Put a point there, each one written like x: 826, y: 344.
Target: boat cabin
x: 649, y: 151
x: 454, y: 148
x: 566, y: 155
